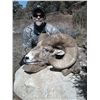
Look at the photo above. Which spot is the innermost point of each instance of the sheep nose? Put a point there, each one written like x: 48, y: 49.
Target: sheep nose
x: 23, y: 61
x: 26, y: 58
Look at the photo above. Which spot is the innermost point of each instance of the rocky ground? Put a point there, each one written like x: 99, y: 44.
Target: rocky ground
x: 17, y: 49
x: 65, y: 25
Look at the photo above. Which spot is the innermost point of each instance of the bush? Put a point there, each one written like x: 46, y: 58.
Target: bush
x: 81, y: 85
x: 80, y: 17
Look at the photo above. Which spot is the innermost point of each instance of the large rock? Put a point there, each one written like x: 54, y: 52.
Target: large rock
x: 45, y: 85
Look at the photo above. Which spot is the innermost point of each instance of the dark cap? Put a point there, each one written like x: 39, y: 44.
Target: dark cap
x: 38, y: 9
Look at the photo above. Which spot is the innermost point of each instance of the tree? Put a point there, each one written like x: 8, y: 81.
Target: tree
x: 17, y: 9
x: 16, y: 6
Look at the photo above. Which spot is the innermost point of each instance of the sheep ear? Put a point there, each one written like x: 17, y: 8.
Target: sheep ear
x: 59, y: 52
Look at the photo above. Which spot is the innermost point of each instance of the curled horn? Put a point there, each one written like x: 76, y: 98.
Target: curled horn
x: 65, y: 47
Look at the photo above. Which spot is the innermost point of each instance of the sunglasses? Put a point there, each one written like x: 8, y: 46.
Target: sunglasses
x: 40, y: 15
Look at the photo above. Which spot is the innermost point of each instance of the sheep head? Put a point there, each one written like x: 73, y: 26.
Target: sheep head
x: 58, y: 50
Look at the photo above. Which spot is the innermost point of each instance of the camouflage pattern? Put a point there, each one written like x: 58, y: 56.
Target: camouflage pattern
x: 30, y: 37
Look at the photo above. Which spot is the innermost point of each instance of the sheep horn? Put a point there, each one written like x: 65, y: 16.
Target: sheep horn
x: 70, y: 51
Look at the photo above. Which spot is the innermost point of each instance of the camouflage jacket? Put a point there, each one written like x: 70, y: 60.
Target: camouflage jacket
x: 29, y: 36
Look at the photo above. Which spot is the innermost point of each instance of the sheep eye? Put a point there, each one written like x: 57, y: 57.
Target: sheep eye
x: 46, y: 49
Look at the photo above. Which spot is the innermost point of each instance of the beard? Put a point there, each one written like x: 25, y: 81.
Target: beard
x: 38, y: 23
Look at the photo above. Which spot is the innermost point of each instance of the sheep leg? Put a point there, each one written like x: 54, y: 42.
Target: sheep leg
x: 65, y: 72
x: 33, y: 68
x: 75, y: 69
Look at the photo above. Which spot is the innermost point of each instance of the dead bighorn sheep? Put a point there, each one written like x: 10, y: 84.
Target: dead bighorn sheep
x: 58, y: 50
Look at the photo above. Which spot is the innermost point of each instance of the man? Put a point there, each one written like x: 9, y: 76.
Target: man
x: 32, y: 32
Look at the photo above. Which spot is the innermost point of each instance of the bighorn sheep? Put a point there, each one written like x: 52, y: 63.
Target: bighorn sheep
x: 58, y: 50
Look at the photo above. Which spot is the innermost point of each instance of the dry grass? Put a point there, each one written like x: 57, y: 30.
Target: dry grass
x: 17, y: 54
x: 80, y: 17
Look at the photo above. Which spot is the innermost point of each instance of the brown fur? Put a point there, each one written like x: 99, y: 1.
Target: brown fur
x: 58, y: 41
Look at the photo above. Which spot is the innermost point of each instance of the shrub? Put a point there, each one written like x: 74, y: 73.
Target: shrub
x: 80, y: 17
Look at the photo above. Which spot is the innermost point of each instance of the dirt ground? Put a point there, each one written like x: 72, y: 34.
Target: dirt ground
x: 17, y: 51
x: 17, y: 55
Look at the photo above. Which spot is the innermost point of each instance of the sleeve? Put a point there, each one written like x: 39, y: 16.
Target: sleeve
x: 52, y: 29
x: 27, y: 39
x: 55, y: 30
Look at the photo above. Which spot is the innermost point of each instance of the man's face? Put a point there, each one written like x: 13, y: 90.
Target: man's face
x: 38, y: 18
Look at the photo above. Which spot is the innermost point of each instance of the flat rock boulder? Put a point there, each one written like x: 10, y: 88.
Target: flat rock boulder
x: 45, y: 85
